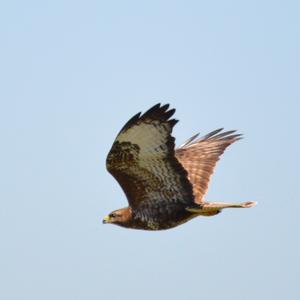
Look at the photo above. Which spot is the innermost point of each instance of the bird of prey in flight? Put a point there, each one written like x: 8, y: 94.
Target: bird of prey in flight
x: 164, y: 186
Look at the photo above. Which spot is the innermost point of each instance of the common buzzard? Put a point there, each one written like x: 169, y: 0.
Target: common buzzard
x: 164, y: 187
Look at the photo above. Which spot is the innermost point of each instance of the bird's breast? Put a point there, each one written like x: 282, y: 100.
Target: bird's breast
x: 160, y: 217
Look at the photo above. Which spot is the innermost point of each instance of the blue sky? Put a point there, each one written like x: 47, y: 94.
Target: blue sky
x: 72, y: 72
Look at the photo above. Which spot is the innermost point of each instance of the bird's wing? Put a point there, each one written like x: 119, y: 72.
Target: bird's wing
x: 142, y: 159
x: 200, y: 155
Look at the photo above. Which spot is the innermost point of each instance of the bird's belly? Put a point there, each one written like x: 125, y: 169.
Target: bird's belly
x: 154, y: 219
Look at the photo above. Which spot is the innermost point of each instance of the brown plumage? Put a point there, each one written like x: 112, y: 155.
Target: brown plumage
x: 164, y: 187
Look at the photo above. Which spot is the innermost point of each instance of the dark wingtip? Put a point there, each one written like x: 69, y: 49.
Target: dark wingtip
x: 152, y: 110
x: 156, y: 112
x: 173, y: 122
x: 212, y: 134
x: 131, y: 121
x: 216, y: 135
x: 165, y: 107
x: 191, y: 140
x: 230, y: 135
x: 169, y: 114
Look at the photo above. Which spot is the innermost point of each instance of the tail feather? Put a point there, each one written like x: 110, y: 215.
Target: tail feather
x: 213, y: 208
x: 222, y: 205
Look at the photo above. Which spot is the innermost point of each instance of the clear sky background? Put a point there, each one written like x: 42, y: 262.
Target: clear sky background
x: 72, y: 72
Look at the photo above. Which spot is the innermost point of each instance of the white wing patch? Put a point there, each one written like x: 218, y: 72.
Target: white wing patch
x: 151, y: 138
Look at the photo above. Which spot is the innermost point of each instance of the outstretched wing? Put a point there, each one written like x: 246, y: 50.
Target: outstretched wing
x: 200, y: 155
x: 142, y: 159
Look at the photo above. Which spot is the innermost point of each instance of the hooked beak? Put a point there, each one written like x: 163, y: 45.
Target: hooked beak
x: 105, y: 220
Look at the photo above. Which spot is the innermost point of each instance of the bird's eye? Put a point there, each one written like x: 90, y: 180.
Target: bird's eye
x: 112, y: 215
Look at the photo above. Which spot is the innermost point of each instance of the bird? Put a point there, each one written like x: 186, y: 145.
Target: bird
x: 164, y: 186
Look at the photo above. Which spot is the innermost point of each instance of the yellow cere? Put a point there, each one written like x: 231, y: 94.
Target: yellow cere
x: 106, y: 218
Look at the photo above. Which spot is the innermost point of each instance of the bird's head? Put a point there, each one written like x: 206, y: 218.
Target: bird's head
x: 119, y: 217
